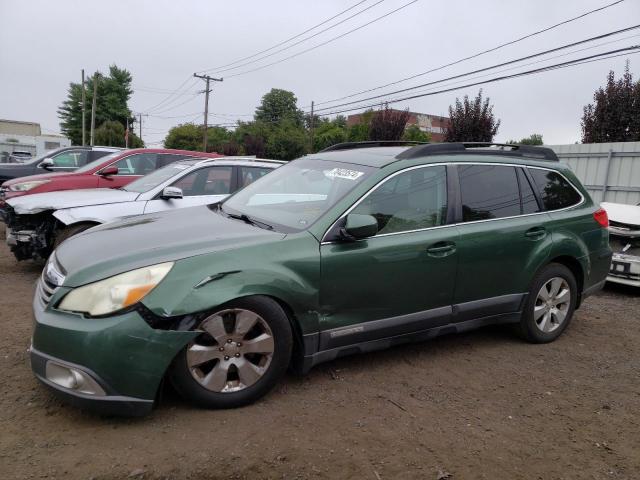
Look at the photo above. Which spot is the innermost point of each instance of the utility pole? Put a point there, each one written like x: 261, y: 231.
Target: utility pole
x: 93, y: 106
x: 312, y: 124
x: 126, y: 134
x: 84, y: 108
x: 207, y: 78
x: 140, y: 123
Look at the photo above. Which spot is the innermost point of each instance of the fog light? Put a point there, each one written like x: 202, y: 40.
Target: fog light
x: 72, y: 379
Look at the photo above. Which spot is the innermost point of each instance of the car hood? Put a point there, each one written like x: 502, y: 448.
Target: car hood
x: 39, y: 202
x: 124, y: 245
x: 621, y: 213
x: 31, y: 178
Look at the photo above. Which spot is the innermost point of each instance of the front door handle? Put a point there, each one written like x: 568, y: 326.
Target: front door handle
x: 536, y: 233
x: 441, y: 249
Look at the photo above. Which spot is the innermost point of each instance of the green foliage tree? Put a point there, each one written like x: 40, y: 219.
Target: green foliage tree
x: 533, y: 139
x: 114, y: 91
x: 472, y: 121
x: 187, y: 136
x: 615, y: 114
x: 217, y: 137
x: 413, y: 134
x: 279, y: 105
x: 329, y: 132
x: 112, y: 133
x: 359, y: 132
x: 286, y: 141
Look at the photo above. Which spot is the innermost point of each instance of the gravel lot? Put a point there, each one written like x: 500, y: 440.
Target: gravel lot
x: 478, y: 405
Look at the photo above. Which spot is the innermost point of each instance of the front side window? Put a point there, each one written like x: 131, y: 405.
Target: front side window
x: 206, y: 181
x: 488, y: 191
x: 554, y: 190
x: 154, y: 179
x: 292, y: 197
x: 70, y: 159
x: 411, y: 200
x: 138, y: 164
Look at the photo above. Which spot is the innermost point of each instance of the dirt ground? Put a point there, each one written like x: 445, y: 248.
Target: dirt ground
x: 480, y: 405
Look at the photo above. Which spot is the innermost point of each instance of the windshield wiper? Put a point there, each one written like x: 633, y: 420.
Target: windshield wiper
x: 245, y: 218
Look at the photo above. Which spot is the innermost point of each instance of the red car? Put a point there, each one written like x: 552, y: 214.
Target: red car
x: 115, y: 170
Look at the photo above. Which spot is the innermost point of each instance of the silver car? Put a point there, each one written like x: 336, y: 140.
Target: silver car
x: 37, y: 223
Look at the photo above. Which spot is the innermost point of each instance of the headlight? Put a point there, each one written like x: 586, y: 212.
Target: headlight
x: 115, y: 293
x: 26, y: 186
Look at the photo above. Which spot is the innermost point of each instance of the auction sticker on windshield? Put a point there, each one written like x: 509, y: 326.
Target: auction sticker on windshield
x: 343, y: 173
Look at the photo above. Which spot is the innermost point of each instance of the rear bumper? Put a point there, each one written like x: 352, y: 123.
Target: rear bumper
x: 107, y: 404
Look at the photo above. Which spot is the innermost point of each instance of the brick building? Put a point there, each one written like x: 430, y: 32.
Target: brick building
x: 433, y: 124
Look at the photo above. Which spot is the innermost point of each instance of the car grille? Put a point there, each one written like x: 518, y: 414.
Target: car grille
x: 49, y: 282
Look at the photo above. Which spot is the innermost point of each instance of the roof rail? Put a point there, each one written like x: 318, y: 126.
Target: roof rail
x: 370, y: 144
x: 239, y: 158
x: 480, y: 148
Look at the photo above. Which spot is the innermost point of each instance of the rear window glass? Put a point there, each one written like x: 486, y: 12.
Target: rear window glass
x: 554, y: 190
x: 488, y: 191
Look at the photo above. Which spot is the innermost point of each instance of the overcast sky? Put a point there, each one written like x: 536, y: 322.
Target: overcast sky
x: 44, y: 45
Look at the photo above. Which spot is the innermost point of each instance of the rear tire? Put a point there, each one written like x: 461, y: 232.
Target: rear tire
x: 70, y: 231
x: 550, y: 304
x: 244, y: 350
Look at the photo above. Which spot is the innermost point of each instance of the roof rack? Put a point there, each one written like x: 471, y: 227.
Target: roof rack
x: 480, y: 148
x: 239, y: 158
x: 370, y: 144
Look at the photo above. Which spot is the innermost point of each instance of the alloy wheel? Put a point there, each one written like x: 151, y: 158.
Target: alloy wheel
x: 552, y: 304
x: 233, y: 352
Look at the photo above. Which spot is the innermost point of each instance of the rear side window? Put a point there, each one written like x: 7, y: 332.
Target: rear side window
x: 529, y: 202
x: 554, y: 190
x: 488, y: 191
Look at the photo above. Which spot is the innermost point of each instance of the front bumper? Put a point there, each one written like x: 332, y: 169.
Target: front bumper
x: 122, y: 355
x: 625, y: 269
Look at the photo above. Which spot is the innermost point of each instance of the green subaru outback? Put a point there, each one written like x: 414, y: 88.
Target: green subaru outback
x: 348, y: 250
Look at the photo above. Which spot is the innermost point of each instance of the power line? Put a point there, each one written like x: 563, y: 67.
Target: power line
x: 288, y: 39
x: 570, y: 63
x: 299, y: 41
x: 510, y: 62
x: 173, y: 107
x: 475, y: 55
x: 170, y: 96
x: 325, y: 42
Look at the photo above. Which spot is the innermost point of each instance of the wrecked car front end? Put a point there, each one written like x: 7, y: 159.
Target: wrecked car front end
x: 624, y: 237
x: 29, y: 236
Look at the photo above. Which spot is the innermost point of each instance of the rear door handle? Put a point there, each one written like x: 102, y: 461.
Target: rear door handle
x: 536, y: 233
x: 441, y: 249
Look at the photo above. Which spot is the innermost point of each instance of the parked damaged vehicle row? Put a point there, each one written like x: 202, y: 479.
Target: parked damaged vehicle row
x: 624, y: 235
x: 38, y: 223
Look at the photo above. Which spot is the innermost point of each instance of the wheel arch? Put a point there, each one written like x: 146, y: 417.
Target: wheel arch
x: 576, y: 269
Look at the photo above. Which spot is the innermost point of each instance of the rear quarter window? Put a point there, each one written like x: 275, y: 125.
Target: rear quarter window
x: 554, y: 190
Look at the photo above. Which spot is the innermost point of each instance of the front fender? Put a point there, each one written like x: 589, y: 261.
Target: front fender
x: 287, y: 269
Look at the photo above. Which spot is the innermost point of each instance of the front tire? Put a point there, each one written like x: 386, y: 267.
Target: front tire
x: 243, y: 351
x: 550, y: 304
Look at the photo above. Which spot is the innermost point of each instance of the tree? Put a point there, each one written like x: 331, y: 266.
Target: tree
x: 111, y: 133
x: 187, y: 136
x: 533, y: 139
x: 414, y: 134
x: 388, y: 124
x: 615, y: 114
x: 279, y: 105
x: 472, y: 121
x: 217, y: 137
x: 329, y: 132
x: 359, y: 132
x: 286, y: 141
x: 114, y: 92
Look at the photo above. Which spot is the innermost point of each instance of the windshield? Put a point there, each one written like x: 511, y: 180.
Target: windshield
x: 155, y: 178
x: 294, y: 196
x: 96, y: 163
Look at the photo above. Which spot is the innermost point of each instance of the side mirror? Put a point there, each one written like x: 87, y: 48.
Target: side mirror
x: 47, y: 164
x: 359, y: 226
x: 108, y: 171
x: 171, y: 192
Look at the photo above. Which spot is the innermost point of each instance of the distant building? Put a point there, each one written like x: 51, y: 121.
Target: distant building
x: 433, y: 124
x: 24, y: 138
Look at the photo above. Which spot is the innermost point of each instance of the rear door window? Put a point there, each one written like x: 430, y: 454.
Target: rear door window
x: 529, y: 202
x: 554, y: 190
x: 488, y: 191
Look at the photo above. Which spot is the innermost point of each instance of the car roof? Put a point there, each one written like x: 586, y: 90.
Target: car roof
x: 380, y: 156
